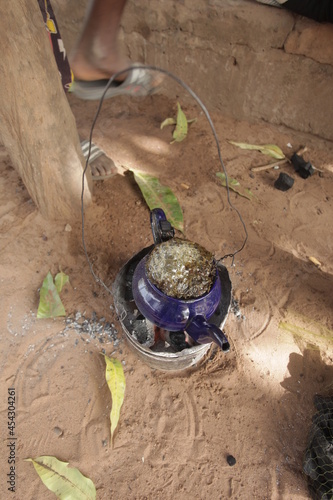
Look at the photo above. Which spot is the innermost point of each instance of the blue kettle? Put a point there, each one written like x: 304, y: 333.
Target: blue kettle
x: 170, y: 313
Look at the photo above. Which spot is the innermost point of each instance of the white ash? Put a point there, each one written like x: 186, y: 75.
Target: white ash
x: 94, y: 327
x: 235, y: 309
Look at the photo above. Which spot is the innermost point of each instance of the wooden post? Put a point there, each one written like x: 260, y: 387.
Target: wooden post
x: 37, y: 126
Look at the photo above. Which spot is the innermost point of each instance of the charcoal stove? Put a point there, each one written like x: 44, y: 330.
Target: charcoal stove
x: 154, y: 344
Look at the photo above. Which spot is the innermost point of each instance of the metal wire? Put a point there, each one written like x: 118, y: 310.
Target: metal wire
x: 204, y: 109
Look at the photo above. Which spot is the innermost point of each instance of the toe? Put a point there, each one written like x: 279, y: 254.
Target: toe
x: 102, y: 168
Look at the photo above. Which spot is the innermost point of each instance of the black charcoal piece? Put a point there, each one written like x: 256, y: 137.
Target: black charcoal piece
x: 231, y: 460
x: 303, y: 168
x: 284, y: 182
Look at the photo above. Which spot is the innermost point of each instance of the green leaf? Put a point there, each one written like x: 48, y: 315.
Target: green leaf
x: 67, y: 483
x: 181, y: 123
x: 116, y: 381
x: 50, y: 304
x: 235, y: 186
x: 168, y: 121
x: 180, y: 131
x: 60, y: 280
x: 158, y: 196
x: 231, y: 182
x: 266, y: 149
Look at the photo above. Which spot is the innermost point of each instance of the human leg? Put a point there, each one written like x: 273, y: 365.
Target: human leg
x: 97, y: 55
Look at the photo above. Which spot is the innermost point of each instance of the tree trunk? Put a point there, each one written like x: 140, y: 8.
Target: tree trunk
x: 37, y: 126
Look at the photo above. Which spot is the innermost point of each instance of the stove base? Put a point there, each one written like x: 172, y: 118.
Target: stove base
x: 162, y: 350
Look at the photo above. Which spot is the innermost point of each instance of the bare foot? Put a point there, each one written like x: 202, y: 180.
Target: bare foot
x: 89, y: 67
x: 103, y: 168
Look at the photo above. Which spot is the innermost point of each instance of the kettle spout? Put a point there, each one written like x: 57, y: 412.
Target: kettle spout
x: 203, y: 332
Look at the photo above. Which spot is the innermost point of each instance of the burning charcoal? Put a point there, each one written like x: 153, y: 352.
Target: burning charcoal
x: 178, y: 341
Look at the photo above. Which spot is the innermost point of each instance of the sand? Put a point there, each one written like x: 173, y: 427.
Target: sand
x: 176, y: 429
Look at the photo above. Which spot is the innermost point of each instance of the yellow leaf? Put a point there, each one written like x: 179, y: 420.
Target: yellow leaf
x: 321, y: 340
x: 266, y: 149
x: 116, y: 382
x: 168, y: 121
x: 305, y: 331
x: 315, y: 261
x: 67, y: 483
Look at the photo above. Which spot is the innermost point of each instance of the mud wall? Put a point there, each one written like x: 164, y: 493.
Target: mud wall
x: 249, y: 61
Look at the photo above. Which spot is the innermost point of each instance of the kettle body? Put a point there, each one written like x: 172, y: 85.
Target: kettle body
x: 173, y: 314
x: 168, y: 312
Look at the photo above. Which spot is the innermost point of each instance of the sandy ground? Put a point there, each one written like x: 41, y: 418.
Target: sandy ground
x: 176, y: 429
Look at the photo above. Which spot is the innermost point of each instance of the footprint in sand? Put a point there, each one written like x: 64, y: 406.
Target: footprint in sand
x: 257, y: 309
x: 175, y: 419
x: 57, y: 385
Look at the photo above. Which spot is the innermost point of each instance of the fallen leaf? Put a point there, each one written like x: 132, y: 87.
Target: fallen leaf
x: 180, y: 131
x: 158, y: 196
x: 181, y: 123
x: 315, y: 261
x: 50, y: 304
x: 60, y: 280
x: 66, y: 482
x: 320, y: 336
x: 266, y: 149
x: 116, y: 382
x: 168, y: 121
x: 235, y: 186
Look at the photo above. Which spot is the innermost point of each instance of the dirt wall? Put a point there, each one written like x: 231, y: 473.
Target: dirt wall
x: 247, y: 60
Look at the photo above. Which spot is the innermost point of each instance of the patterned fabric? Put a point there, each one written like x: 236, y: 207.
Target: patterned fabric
x: 57, y: 43
x: 276, y: 3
